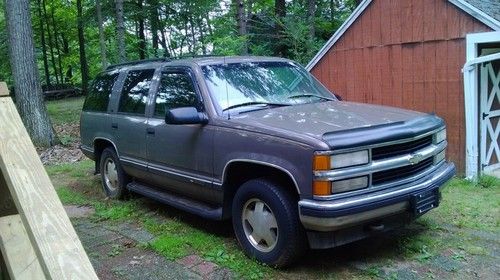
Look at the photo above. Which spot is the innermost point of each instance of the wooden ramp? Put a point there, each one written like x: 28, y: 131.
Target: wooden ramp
x: 37, y: 240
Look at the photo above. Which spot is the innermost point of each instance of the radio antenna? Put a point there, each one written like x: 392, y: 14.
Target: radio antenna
x: 227, y: 93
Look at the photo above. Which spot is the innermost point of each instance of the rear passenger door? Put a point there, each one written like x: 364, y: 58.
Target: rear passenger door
x: 129, y: 123
x: 180, y: 156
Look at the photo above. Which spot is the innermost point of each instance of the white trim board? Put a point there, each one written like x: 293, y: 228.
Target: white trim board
x: 461, y: 4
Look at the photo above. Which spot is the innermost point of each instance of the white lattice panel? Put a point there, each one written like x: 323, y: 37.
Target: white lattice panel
x: 490, y: 115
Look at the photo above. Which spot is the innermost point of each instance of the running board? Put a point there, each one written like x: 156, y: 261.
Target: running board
x: 177, y: 201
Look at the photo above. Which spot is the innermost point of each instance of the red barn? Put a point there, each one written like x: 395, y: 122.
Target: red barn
x: 410, y: 54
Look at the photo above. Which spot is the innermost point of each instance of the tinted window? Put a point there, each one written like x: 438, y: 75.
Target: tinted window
x: 98, y: 95
x: 176, y: 90
x: 135, y: 91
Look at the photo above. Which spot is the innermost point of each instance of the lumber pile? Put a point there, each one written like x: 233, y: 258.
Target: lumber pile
x: 37, y: 240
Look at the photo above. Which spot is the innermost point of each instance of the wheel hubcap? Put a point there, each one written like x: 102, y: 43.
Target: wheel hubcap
x: 110, y: 175
x: 259, y: 224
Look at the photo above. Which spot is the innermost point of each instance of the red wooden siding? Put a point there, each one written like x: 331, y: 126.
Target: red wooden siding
x: 408, y: 54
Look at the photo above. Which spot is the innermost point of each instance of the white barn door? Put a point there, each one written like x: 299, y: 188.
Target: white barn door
x: 489, y: 116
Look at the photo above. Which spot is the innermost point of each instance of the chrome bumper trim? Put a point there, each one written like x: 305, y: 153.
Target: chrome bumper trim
x: 437, y: 178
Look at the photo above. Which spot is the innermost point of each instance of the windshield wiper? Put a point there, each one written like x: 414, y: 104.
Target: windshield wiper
x: 310, y: 95
x: 255, y: 103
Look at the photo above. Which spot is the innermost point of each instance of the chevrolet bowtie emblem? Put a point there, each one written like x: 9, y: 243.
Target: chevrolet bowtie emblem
x: 415, y: 158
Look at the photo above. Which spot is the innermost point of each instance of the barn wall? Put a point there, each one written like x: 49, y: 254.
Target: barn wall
x: 408, y: 54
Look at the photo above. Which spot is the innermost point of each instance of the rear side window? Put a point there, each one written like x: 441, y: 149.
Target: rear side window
x: 98, y: 96
x: 135, y: 91
x: 176, y: 90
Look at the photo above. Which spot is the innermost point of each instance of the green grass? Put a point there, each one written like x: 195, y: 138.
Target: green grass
x: 176, y: 239
x: 67, y: 196
x: 469, y: 205
x: 65, y: 110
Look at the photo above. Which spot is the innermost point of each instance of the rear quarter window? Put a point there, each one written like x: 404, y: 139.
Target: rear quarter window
x: 98, y: 96
x: 135, y: 91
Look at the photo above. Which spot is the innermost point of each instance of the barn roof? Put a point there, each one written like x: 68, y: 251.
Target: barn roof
x: 486, y: 11
x: 489, y: 7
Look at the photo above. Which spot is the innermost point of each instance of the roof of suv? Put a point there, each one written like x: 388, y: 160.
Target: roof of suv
x: 200, y: 61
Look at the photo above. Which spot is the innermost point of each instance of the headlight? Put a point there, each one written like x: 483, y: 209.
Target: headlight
x: 349, y: 184
x: 440, y: 136
x: 349, y: 159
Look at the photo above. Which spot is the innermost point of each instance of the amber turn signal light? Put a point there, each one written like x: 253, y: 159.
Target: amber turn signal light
x: 322, y: 188
x: 321, y: 162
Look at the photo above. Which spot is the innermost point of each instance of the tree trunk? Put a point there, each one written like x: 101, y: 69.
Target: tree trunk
x: 142, y: 37
x: 56, y: 35
x: 51, y: 42
x: 242, y: 25
x: 29, y: 99
x: 280, y: 8
x: 44, y: 47
x: 69, y: 72
x: 81, y: 44
x: 102, y: 39
x: 311, y: 11
x: 280, y: 13
x: 153, y: 13
x: 120, y: 31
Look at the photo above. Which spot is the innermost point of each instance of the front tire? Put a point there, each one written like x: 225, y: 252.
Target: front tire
x: 266, y: 223
x: 113, y: 178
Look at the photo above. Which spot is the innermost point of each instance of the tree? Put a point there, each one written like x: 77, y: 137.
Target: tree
x: 120, y: 31
x: 28, y: 91
x: 242, y: 23
x: 102, y: 39
x: 81, y: 45
x: 44, y: 46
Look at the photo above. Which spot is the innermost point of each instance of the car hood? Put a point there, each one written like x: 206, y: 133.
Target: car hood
x: 314, y: 120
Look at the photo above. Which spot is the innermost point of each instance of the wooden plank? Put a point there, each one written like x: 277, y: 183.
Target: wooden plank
x: 17, y: 251
x: 385, y: 21
x: 418, y: 23
x: 453, y: 15
x: 429, y: 20
x: 406, y: 21
x: 429, y: 76
x: 396, y: 21
x: 440, y: 20
x: 407, y: 57
x: 56, y: 244
x: 396, y: 75
x: 419, y: 95
x: 4, y: 91
x: 376, y: 29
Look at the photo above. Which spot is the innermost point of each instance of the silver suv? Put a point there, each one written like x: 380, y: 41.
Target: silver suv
x: 260, y: 141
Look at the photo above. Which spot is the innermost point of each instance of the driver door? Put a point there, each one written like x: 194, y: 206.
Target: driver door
x: 180, y: 156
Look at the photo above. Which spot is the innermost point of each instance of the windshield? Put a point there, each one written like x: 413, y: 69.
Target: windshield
x: 253, y: 85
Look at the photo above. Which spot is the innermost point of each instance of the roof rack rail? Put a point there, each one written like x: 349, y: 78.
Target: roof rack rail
x: 136, y: 62
x: 195, y: 56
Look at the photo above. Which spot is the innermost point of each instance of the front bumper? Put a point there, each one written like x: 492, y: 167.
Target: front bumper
x: 333, y: 215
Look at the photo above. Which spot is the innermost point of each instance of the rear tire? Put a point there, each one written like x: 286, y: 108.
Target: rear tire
x: 266, y: 223
x: 113, y: 178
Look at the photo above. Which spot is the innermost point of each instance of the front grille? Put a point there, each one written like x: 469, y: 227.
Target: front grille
x: 400, y: 173
x: 401, y: 149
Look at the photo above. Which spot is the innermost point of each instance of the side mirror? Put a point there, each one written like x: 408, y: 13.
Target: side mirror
x: 338, y: 97
x: 185, y: 115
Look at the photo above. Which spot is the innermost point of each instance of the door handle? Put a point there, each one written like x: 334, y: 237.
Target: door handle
x: 150, y: 131
x: 114, y: 125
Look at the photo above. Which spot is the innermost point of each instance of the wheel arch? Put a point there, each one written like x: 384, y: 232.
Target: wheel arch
x: 238, y: 171
x: 101, y: 143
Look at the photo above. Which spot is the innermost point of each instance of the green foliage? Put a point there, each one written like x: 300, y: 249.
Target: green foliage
x: 184, y: 28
